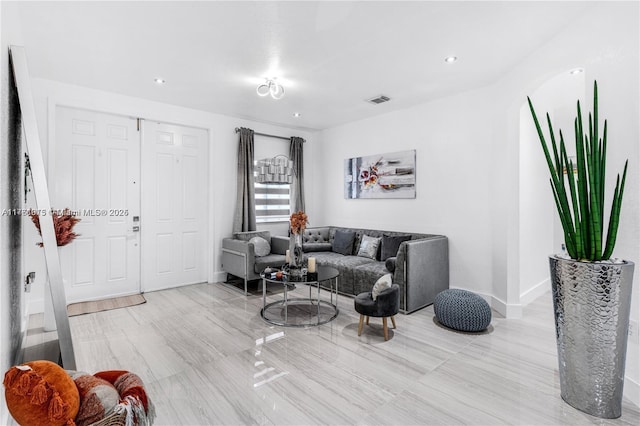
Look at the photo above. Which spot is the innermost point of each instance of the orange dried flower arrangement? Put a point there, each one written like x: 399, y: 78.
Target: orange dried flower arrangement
x: 298, y: 222
x: 63, y: 224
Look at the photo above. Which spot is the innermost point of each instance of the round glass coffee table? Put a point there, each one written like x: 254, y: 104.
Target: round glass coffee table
x: 302, y: 311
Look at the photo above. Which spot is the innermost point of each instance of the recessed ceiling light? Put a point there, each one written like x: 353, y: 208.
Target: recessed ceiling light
x: 160, y: 80
x: 576, y: 71
x: 297, y: 115
x: 450, y: 59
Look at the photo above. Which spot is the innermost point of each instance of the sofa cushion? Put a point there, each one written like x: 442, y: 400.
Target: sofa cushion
x: 260, y: 246
x: 365, y: 276
x: 369, y: 247
x: 315, y: 247
x: 270, y: 260
x: 390, y: 245
x: 343, y: 242
x: 246, y: 236
x: 315, y: 235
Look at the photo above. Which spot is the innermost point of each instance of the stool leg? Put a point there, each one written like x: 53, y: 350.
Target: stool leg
x: 393, y: 321
x: 384, y: 328
x: 360, y: 324
x: 367, y: 320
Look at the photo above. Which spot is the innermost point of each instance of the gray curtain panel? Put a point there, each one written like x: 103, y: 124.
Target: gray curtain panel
x: 295, y: 155
x: 245, y: 217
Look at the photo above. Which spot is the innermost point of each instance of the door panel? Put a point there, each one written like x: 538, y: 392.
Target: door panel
x: 97, y: 175
x: 174, y: 203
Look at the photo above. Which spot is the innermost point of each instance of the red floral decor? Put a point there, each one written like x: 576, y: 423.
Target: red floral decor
x: 298, y: 222
x: 63, y: 224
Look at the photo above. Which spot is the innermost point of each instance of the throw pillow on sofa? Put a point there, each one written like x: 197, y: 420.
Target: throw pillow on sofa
x: 246, y: 236
x: 260, y: 246
x: 343, y: 242
x: 391, y: 244
x: 369, y: 247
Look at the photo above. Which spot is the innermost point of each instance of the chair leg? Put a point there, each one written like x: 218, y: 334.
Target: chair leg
x: 384, y: 328
x: 360, y: 324
x: 393, y: 321
x: 367, y: 320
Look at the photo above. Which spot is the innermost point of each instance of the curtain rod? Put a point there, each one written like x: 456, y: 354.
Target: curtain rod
x: 268, y: 135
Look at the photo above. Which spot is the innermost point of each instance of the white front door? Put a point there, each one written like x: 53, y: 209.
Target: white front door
x: 97, y: 174
x: 174, y: 205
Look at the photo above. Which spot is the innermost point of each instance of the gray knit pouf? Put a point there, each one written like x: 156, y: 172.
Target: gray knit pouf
x: 462, y: 310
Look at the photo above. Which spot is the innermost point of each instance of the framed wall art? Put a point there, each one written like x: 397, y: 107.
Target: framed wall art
x: 391, y: 175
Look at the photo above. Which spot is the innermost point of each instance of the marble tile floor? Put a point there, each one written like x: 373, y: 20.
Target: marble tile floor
x: 208, y: 358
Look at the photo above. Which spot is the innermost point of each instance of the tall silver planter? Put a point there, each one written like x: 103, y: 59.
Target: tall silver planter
x: 592, y: 303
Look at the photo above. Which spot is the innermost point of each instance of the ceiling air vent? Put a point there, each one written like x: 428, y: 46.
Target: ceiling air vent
x: 379, y: 99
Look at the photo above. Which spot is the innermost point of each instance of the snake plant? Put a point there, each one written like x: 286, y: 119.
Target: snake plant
x: 580, y: 196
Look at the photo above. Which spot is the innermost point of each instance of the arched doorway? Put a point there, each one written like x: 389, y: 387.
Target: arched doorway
x: 540, y: 232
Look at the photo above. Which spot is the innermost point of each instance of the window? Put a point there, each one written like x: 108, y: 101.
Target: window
x: 272, y: 202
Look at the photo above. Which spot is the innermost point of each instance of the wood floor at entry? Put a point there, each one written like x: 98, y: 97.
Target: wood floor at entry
x: 130, y: 240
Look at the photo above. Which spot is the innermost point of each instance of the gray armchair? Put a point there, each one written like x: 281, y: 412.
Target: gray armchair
x: 239, y: 255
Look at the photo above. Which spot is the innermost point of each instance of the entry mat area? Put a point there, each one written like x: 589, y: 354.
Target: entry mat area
x: 82, y: 308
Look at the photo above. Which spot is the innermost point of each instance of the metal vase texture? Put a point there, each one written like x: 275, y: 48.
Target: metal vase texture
x: 591, y: 303
x: 295, y: 250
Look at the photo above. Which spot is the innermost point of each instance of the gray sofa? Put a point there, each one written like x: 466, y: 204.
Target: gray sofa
x: 420, y: 266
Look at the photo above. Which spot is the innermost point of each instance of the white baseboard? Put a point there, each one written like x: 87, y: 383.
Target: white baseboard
x: 219, y: 277
x: 536, y: 291
x: 513, y: 311
x: 632, y: 391
x: 510, y: 311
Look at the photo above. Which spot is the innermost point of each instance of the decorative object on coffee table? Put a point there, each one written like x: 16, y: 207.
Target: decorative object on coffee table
x: 298, y: 223
x: 462, y: 310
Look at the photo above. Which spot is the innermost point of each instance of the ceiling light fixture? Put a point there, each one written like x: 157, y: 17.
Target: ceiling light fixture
x: 297, y: 115
x: 576, y: 71
x: 450, y: 59
x: 271, y: 87
x: 160, y: 80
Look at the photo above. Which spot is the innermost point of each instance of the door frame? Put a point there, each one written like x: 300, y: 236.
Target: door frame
x: 142, y: 112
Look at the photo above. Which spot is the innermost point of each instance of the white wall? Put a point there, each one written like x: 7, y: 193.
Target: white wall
x: 605, y: 42
x: 468, y: 162
x: 223, y: 157
x: 540, y: 230
x: 451, y: 139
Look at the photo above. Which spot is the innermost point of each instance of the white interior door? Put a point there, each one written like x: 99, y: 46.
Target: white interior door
x: 174, y: 205
x: 97, y: 175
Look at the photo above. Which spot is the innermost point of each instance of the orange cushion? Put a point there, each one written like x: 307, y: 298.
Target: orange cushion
x: 41, y: 393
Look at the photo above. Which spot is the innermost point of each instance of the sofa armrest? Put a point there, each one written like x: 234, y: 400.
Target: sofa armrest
x: 279, y: 244
x: 238, y: 257
x: 422, y: 271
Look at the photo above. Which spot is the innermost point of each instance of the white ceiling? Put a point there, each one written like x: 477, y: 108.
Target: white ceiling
x: 331, y: 56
